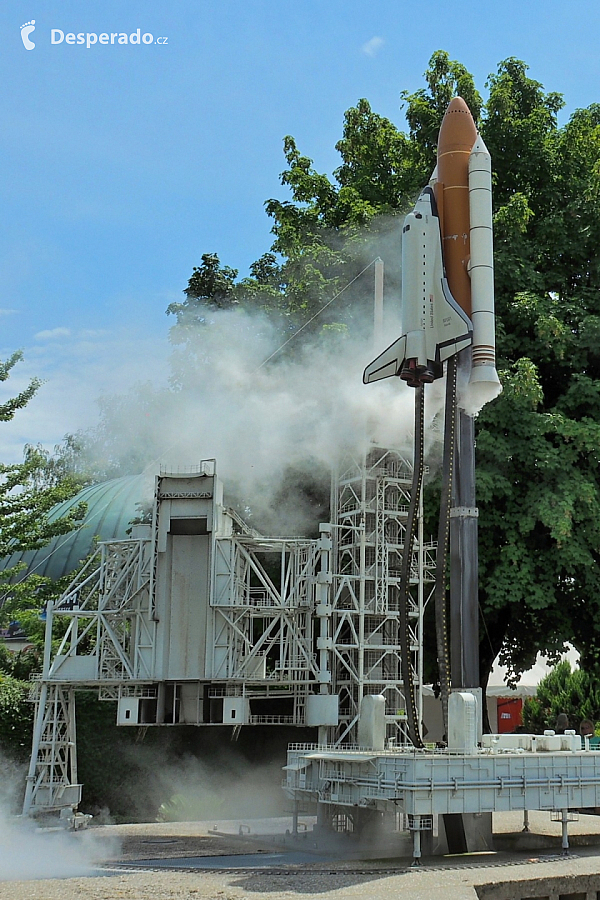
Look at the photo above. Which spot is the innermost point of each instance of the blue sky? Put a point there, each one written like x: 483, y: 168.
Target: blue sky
x: 121, y: 164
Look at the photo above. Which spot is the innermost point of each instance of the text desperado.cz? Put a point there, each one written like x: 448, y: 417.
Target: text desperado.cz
x: 90, y: 38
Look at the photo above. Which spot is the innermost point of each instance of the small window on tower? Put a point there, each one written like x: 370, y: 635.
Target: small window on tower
x: 189, y: 526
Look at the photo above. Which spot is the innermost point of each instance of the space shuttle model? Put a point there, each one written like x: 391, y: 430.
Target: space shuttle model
x: 448, y: 268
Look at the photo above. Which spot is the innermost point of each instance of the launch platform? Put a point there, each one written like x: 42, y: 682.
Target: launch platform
x: 425, y: 784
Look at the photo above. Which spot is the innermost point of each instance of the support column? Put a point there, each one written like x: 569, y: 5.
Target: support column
x: 378, y: 308
x: 464, y: 601
x: 323, y: 612
x: 325, y: 644
x: 416, y: 840
x: 564, y: 818
x: 160, y: 703
x: 361, y: 600
x: 39, y: 713
x: 461, y: 830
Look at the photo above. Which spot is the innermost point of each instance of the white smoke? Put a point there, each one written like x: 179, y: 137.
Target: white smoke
x: 272, y: 427
x: 204, y: 790
x: 29, y: 852
x: 259, y: 421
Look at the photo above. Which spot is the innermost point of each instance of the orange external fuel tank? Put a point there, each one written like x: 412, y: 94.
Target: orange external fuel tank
x: 455, y: 142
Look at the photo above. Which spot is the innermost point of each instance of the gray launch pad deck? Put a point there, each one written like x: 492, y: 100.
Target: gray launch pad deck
x: 430, y: 782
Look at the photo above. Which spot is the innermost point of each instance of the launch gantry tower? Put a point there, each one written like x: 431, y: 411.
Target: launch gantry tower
x: 370, y: 497
x: 199, y: 620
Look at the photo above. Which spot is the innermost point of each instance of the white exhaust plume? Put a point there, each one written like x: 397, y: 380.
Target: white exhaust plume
x: 261, y: 422
x: 29, y: 852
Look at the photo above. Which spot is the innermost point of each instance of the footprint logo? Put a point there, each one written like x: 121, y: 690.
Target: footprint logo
x: 26, y: 30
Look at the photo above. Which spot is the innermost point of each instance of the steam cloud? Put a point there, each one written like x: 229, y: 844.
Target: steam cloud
x: 260, y: 422
x: 274, y: 429
x: 28, y: 852
x: 202, y: 790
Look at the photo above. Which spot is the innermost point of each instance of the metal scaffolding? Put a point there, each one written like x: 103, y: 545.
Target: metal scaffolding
x: 198, y: 619
x: 52, y: 779
x: 370, y: 498
x: 194, y: 620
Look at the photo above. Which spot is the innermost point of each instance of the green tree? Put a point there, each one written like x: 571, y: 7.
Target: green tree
x: 575, y: 693
x: 24, y: 524
x: 12, y: 406
x: 24, y: 502
x: 538, y: 476
x: 16, y: 717
x: 26, y: 498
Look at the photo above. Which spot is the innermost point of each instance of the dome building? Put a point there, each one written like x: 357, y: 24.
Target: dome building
x: 111, y: 506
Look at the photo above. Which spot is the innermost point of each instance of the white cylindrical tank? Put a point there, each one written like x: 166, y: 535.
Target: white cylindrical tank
x: 462, y: 722
x: 484, y: 383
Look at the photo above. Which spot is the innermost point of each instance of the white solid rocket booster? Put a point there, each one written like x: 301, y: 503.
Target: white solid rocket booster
x: 484, y: 383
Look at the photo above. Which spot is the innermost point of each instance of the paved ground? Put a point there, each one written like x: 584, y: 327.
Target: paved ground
x: 112, y: 856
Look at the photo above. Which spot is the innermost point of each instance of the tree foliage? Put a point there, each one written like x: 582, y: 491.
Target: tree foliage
x: 16, y: 709
x: 16, y: 717
x: 24, y: 506
x: 538, y: 475
x: 575, y: 693
x: 26, y: 496
x: 14, y: 404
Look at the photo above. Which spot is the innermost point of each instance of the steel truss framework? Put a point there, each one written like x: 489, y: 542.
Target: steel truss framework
x: 263, y: 641
x: 52, y: 780
x: 326, y: 623
x: 110, y: 633
x: 371, y: 496
x: 263, y: 635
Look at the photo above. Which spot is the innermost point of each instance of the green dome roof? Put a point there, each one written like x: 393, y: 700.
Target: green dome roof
x: 110, y: 508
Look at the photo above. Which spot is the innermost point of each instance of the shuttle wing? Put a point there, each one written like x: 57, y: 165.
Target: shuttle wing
x: 387, y: 363
x: 454, y: 329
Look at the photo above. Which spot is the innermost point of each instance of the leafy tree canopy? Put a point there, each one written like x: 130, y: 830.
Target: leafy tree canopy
x: 575, y: 693
x: 26, y: 498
